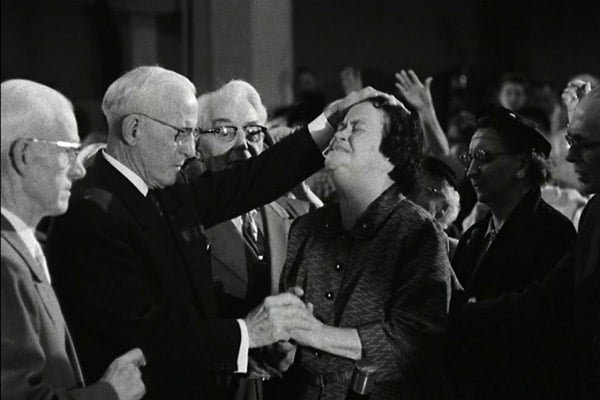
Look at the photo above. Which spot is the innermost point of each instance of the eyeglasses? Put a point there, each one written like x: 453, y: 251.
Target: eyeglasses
x: 482, y: 156
x: 182, y: 135
x: 254, y: 133
x: 71, y: 149
x: 576, y: 141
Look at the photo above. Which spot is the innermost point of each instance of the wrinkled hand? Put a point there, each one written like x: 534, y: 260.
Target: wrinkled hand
x: 124, y: 375
x: 309, y: 332
x: 351, y: 80
x: 273, y: 319
x: 336, y: 111
x: 573, y: 93
x: 413, y: 90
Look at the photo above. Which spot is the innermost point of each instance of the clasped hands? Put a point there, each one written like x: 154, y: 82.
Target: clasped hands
x: 282, y: 318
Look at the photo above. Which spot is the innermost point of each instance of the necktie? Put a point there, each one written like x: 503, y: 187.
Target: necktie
x: 154, y: 200
x: 38, y: 255
x: 251, y: 232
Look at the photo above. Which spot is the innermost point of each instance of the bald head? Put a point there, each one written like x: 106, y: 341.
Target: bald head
x: 584, y: 132
x: 29, y: 109
x: 587, y: 113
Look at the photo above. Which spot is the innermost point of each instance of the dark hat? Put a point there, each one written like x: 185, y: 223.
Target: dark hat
x: 436, y: 166
x: 516, y: 130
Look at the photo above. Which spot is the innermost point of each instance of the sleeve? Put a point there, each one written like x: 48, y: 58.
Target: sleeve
x: 415, y: 317
x: 23, y: 358
x: 226, y: 194
x: 104, y: 274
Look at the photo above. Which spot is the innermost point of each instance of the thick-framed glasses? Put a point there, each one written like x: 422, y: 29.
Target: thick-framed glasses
x: 183, y: 133
x: 481, y: 156
x: 71, y: 149
x: 227, y: 133
x: 577, y: 142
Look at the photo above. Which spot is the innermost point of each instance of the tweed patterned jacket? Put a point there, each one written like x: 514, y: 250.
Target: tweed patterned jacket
x: 389, y: 278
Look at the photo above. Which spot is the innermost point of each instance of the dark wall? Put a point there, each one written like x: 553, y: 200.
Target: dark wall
x: 549, y: 40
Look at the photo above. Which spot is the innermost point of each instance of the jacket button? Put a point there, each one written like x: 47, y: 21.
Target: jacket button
x: 316, y: 353
x: 329, y: 295
x: 472, y: 300
x: 338, y: 267
x: 207, y: 247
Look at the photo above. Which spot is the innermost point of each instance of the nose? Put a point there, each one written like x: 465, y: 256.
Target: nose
x: 573, y: 154
x: 188, y: 147
x: 76, y: 170
x: 472, y: 169
x: 343, y: 134
x: 240, y: 139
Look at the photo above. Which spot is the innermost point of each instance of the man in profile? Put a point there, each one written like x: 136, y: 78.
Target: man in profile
x: 39, y: 166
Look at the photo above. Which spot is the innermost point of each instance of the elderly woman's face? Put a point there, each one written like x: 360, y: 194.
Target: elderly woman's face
x: 355, y: 145
x: 494, y: 175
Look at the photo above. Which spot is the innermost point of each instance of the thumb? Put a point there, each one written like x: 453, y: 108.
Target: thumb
x: 428, y: 82
x: 135, y: 357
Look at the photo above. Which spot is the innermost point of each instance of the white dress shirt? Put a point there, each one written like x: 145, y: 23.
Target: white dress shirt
x: 138, y: 182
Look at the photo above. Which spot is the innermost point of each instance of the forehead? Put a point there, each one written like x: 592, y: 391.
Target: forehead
x: 174, y: 101
x: 365, y: 112
x: 586, y: 120
x: 485, y: 138
x: 239, y: 112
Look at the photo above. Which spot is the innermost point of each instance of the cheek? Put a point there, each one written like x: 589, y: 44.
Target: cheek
x: 211, y: 148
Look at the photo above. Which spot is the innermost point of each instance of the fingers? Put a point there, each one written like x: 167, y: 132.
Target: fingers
x: 414, y: 78
x: 283, y: 299
x: 296, y: 290
x: 428, y: 83
x: 135, y: 357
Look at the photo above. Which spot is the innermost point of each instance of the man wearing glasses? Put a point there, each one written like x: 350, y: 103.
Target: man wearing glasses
x: 248, y: 251
x: 140, y: 257
x: 39, y: 165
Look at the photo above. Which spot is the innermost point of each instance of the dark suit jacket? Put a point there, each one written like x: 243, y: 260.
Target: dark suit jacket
x: 127, y: 277
x: 515, y: 363
x: 38, y: 358
x: 569, y: 294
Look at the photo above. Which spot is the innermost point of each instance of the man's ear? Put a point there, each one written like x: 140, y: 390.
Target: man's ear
x: 130, y: 129
x: 19, y: 155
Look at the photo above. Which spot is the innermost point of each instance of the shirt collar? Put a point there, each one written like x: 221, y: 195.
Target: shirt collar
x: 26, y: 234
x: 127, y: 173
x: 371, y: 219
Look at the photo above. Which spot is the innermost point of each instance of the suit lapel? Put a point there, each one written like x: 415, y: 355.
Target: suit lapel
x: 45, y: 292
x: 276, y: 227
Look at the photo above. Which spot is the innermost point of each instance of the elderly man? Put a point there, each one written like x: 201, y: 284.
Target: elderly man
x: 571, y: 292
x: 247, y: 252
x: 39, y: 166
x: 140, y: 256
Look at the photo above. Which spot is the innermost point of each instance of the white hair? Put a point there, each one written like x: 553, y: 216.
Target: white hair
x: 136, y: 90
x: 234, y: 91
x: 27, y: 109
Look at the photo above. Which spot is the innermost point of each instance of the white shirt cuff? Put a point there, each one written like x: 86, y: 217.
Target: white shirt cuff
x: 319, y: 124
x: 242, y: 359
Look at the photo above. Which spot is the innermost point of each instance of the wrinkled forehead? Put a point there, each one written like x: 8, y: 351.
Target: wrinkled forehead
x: 173, y: 101
x: 365, y: 112
x: 586, y: 118
x: 486, y: 137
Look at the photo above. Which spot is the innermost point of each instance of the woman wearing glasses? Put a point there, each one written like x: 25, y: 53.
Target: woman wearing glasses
x: 515, y: 244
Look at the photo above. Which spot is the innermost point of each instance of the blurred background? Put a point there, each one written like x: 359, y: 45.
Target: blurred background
x: 284, y: 47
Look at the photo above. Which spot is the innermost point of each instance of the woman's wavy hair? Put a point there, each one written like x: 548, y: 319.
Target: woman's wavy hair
x: 401, y: 143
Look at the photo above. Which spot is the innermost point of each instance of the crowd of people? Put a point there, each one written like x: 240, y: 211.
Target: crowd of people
x: 206, y: 249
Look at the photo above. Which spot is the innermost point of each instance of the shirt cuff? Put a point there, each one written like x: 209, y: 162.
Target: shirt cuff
x: 319, y: 124
x: 242, y: 359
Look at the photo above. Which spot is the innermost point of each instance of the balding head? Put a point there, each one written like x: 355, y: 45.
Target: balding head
x: 28, y: 109
x: 39, y: 134
x: 584, y: 130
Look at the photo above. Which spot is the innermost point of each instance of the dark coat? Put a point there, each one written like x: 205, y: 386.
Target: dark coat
x: 514, y: 363
x: 127, y: 277
x: 38, y: 357
x: 389, y: 278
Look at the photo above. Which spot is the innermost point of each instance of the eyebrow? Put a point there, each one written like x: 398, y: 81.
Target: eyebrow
x: 228, y: 121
